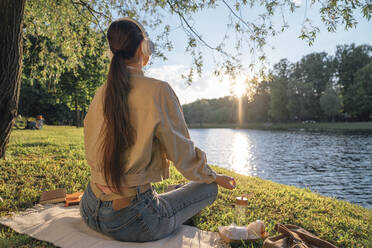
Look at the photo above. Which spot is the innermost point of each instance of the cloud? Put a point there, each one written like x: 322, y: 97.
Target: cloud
x: 207, y: 86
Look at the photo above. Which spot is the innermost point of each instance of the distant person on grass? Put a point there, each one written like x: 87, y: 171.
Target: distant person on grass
x: 133, y: 129
x: 30, y: 125
x: 38, y: 124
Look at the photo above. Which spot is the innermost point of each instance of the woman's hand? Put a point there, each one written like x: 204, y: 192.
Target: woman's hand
x: 225, y: 181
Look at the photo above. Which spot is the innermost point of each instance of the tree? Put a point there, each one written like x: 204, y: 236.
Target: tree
x: 257, y: 102
x: 35, y: 100
x: 279, y: 90
x: 221, y: 110
x: 76, y: 90
x: 55, y: 19
x: 278, y: 101
x: 349, y: 59
x: 200, y: 111
x: 10, y: 65
x: 70, y: 79
x: 308, y: 81
x: 361, y: 93
x: 330, y: 103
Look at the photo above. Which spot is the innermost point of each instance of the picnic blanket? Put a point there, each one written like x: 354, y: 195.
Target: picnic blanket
x: 64, y: 227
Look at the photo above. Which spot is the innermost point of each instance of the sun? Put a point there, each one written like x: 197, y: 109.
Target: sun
x: 239, y: 89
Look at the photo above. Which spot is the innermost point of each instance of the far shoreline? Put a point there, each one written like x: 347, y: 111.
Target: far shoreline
x: 320, y: 126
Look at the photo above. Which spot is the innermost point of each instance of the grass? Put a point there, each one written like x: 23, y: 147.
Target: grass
x: 321, y: 126
x: 54, y: 157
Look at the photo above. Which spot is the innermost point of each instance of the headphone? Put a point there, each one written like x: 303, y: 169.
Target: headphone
x: 147, y: 46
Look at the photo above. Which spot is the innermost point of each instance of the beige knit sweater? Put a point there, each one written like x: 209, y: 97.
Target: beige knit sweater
x: 161, y: 136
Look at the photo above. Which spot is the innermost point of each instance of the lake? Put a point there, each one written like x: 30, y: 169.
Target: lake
x: 332, y: 164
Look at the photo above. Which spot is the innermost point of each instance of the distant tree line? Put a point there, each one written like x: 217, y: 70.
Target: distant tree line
x: 319, y: 87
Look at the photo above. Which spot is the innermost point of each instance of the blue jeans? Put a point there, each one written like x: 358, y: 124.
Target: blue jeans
x: 150, y: 216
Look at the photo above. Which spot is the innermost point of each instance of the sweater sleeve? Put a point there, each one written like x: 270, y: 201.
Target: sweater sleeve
x: 173, y: 134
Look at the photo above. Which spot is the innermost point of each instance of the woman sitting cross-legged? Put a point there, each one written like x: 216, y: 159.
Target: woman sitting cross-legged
x: 133, y: 129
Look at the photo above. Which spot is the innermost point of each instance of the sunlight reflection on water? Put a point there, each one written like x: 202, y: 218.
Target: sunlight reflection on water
x: 333, y: 164
x: 241, y: 155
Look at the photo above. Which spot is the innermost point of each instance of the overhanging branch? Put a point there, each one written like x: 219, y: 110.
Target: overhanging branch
x: 183, y: 19
x: 92, y: 11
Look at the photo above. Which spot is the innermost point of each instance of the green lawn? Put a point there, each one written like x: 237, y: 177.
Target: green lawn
x: 54, y: 157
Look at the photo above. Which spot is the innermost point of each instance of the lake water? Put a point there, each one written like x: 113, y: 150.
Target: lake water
x: 332, y: 164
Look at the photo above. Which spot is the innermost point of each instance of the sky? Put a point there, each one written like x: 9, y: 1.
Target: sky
x: 212, y: 25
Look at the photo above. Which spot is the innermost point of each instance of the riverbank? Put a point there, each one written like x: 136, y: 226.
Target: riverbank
x: 54, y: 157
x: 321, y: 126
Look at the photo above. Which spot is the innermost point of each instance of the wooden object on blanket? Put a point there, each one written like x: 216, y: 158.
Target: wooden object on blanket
x: 53, y: 196
x: 73, y: 198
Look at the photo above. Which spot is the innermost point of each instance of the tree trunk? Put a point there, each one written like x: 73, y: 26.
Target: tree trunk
x: 11, y: 12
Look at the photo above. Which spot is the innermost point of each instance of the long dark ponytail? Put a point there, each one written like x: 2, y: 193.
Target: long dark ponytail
x: 118, y: 134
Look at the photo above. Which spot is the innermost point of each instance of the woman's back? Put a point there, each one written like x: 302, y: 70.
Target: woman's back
x: 143, y: 161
